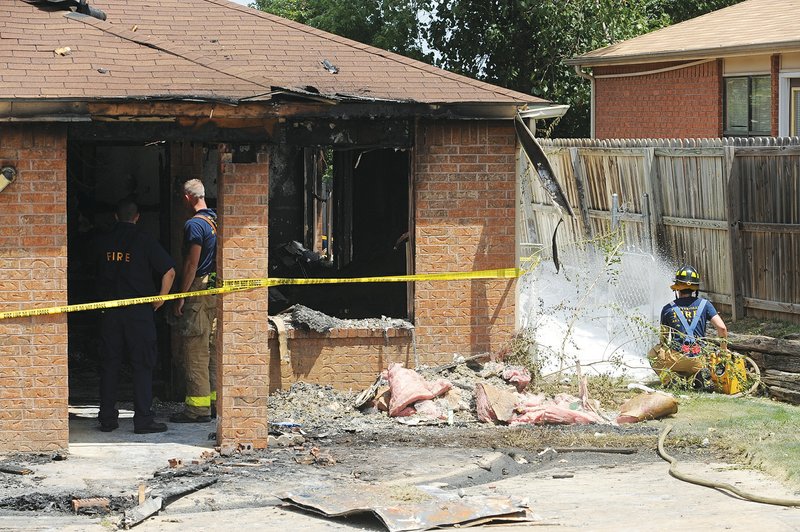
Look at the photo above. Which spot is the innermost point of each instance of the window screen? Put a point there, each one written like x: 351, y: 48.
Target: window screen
x: 748, y: 105
x: 794, y: 119
x: 761, y: 105
x: 736, y: 105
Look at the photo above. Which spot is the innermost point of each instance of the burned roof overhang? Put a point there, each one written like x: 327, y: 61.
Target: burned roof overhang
x: 433, y: 111
x: 43, y: 111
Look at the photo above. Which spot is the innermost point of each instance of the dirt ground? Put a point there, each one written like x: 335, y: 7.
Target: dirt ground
x: 595, y: 477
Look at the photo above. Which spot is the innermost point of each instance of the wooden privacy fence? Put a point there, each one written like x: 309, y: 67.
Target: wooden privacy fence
x: 730, y: 207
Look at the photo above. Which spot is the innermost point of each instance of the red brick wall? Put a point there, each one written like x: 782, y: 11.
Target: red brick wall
x: 775, y: 73
x: 683, y: 103
x: 33, y: 274
x: 243, y: 328
x: 347, y: 359
x: 465, y: 193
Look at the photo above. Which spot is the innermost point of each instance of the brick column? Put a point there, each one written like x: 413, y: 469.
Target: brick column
x: 33, y: 274
x: 775, y: 78
x: 243, y: 329
x: 465, y: 192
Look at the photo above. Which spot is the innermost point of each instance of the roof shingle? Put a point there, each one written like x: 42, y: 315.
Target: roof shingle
x: 751, y: 26
x: 212, y: 49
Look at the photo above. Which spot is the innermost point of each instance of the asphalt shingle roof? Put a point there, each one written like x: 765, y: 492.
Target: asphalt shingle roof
x: 212, y: 49
x: 748, y: 27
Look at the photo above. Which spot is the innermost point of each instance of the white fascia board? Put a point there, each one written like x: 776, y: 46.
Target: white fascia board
x: 548, y: 111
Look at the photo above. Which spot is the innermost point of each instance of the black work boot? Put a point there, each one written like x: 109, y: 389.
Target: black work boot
x: 151, y: 428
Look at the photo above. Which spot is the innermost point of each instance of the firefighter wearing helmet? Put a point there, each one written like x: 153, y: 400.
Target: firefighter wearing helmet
x: 683, y: 329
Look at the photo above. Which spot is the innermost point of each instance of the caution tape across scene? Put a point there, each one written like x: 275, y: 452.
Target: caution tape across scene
x: 239, y: 285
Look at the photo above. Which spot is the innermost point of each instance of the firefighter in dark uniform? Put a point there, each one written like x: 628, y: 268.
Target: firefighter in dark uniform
x: 130, y: 263
x: 683, y: 330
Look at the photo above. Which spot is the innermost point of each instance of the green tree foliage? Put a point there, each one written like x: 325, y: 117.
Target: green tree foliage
x: 517, y: 44
x: 393, y: 25
x: 680, y: 10
x: 521, y: 44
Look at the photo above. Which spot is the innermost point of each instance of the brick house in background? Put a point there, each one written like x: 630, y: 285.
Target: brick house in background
x: 732, y: 72
x: 310, y: 145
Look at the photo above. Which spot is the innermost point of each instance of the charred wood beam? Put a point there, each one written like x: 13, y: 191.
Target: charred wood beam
x: 383, y: 133
x: 168, y: 131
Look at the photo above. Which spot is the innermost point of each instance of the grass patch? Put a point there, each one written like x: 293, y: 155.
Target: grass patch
x: 773, y: 328
x: 755, y: 431
x: 535, y: 439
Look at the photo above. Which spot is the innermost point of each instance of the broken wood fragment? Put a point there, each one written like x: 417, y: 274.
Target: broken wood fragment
x: 172, y: 494
x: 136, y: 515
x: 451, y: 365
x: 494, y: 404
x: 283, y: 343
x: 15, y: 469
x: 183, y: 472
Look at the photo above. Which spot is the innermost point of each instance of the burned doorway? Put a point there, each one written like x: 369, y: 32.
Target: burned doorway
x: 340, y: 213
x: 99, y: 174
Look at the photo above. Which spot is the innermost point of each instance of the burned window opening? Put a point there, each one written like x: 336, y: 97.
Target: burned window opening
x: 340, y: 213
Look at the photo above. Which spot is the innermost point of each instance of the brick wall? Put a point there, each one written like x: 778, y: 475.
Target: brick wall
x: 33, y: 273
x: 242, y: 333
x: 775, y: 73
x: 465, y: 193
x: 346, y: 359
x: 683, y: 103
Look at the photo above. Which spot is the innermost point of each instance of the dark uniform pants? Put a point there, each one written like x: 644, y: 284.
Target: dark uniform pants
x: 128, y: 331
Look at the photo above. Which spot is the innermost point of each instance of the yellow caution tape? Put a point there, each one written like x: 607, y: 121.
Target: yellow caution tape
x: 250, y: 284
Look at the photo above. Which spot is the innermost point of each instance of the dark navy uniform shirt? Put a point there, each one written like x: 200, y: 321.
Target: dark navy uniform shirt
x: 201, y: 229
x: 129, y: 263
x: 688, y: 306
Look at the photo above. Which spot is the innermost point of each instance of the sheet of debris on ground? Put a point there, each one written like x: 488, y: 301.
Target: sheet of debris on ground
x: 454, y: 430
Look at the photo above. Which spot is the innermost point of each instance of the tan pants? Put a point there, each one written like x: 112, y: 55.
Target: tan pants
x: 666, y: 362
x: 198, y: 327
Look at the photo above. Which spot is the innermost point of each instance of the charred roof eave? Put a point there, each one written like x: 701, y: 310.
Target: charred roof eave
x: 444, y: 111
x: 291, y: 105
x: 44, y: 111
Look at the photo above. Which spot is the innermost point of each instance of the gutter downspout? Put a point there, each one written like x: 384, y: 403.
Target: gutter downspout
x: 588, y: 76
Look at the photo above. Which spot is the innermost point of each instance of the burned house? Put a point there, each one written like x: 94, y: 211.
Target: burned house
x: 324, y: 157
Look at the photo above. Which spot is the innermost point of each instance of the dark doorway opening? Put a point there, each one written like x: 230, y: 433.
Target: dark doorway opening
x: 99, y: 175
x: 340, y: 213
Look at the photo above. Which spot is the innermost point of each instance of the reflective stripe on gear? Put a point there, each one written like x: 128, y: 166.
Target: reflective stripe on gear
x: 213, y: 396
x: 198, y: 401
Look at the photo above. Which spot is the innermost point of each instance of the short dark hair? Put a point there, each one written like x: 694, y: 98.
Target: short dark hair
x: 127, y: 210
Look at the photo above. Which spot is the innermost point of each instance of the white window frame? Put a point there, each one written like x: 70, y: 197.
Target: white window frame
x: 784, y: 101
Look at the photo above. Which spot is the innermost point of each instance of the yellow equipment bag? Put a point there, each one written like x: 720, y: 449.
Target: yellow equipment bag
x: 728, y: 372
x: 667, y: 362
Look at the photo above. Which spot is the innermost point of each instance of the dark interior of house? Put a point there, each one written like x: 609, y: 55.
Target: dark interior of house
x: 339, y: 213
x: 98, y: 176
x: 332, y: 213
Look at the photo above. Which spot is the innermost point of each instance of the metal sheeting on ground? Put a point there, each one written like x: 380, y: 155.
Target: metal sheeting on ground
x: 435, y: 509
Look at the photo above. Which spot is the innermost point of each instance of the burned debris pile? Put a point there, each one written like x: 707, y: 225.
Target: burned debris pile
x: 489, y: 393
x: 304, y: 318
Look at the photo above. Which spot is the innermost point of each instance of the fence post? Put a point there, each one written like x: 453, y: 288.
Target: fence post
x: 735, y: 251
x: 580, y: 185
x: 652, y: 187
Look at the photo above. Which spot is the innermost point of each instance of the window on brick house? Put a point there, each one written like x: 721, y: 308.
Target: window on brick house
x: 342, y: 213
x: 748, y: 106
x: 795, y: 112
